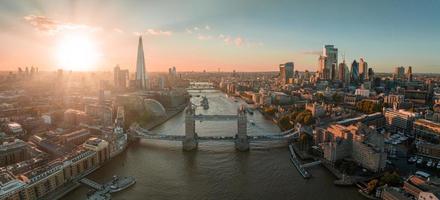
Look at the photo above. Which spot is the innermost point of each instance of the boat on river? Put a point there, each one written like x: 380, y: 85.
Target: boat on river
x: 121, y: 183
x: 205, y: 103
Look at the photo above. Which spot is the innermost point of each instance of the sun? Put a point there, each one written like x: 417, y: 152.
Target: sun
x: 77, y: 52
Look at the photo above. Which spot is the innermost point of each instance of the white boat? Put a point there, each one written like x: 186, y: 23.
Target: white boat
x: 121, y: 183
x: 429, y: 163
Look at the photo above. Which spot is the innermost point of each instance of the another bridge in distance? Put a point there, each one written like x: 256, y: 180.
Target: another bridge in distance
x: 201, y: 86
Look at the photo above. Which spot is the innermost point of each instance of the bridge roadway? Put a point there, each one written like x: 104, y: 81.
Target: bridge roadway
x: 201, y: 117
x: 145, y: 134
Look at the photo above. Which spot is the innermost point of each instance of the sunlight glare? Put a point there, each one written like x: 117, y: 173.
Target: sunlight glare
x: 77, y: 52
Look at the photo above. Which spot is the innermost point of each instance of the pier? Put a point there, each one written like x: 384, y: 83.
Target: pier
x: 92, y: 184
x: 103, y: 191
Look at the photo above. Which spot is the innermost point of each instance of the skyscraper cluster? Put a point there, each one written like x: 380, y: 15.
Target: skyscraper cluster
x: 330, y: 70
x: 399, y: 73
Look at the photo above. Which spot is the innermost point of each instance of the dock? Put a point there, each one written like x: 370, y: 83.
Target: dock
x: 304, y: 173
x: 92, y: 184
x: 103, y: 191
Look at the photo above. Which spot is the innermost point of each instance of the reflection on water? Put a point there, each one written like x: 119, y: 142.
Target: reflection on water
x: 215, y: 170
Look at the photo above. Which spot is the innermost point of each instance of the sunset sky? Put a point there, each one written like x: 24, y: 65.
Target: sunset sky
x: 245, y: 35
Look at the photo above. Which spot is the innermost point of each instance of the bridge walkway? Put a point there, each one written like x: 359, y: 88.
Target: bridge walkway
x: 91, y: 184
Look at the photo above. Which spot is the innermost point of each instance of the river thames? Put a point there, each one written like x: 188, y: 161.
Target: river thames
x: 216, y: 170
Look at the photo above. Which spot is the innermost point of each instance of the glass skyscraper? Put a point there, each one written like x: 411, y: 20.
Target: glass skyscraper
x: 354, y: 71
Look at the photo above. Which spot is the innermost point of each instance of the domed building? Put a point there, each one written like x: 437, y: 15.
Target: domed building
x: 154, y: 107
x: 137, y: 106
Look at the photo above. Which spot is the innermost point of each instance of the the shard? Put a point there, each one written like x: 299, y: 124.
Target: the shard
x: 141, y: 76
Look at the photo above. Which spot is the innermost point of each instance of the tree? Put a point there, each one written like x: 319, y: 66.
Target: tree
x: 284, y: 123
x: 269, y: 110
x: 392, y: 179
x: 372, y: 185
x: 337, y: 98
x: 368, y: 107
x: 320, y: 96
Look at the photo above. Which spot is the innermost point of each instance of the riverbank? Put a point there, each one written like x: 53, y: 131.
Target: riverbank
x: 163, y: 171
x: 72, y: 185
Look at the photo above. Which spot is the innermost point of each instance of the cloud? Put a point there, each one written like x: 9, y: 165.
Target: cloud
x: 312, y: 52
x: 50, y: 26
x: 158, y: 32
x: 204, y: 37
x: 42, y: 23
x: 239, y: 41
x: 117, y: 30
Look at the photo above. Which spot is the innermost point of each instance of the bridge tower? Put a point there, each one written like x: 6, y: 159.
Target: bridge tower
x: 191, y: 141
x: 241, y: 139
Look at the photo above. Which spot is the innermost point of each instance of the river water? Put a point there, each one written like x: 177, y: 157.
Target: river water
x: 216, y: 170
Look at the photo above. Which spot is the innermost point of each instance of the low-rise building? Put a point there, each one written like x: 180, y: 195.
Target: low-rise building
x: 429, y: 149
x: 399, y: 120
x: 391, y: 193
x: 13, y: 152
x: 429, y: 195
x: 14, y: 129
x: 362, y: 92
x: 427, y: 130
x: 103, y: 112
x: 393, y: 98
x: 76, y: 137
x: 316, y: 109
x: 351, y: 100
x: 10, y: 187
x: 417, y: 186
x: 100, y: 146
x: 73, y: 118
x: 359, y: 142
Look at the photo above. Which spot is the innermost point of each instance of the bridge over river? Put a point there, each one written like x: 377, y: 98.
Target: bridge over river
x: 142, y: 133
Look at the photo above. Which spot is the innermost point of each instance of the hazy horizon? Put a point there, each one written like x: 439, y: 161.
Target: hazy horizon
x: 200, y: 35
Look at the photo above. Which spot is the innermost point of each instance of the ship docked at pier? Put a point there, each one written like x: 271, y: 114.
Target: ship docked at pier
x: 204, y: 103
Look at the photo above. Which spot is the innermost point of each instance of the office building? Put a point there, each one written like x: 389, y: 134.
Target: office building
x: 399, y: 73
x: 120, y: 77
x: 329, y: 62
x: 342, y: 72
x: 286, y: 72
x: 354, y: 71
x: 363, y: 69
x: 409, y: 75
x: 370, y: 74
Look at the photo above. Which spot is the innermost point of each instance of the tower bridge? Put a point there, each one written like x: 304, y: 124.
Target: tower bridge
x: 190, y: 140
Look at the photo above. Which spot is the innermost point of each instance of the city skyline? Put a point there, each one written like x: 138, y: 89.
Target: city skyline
x: 197, y: 36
